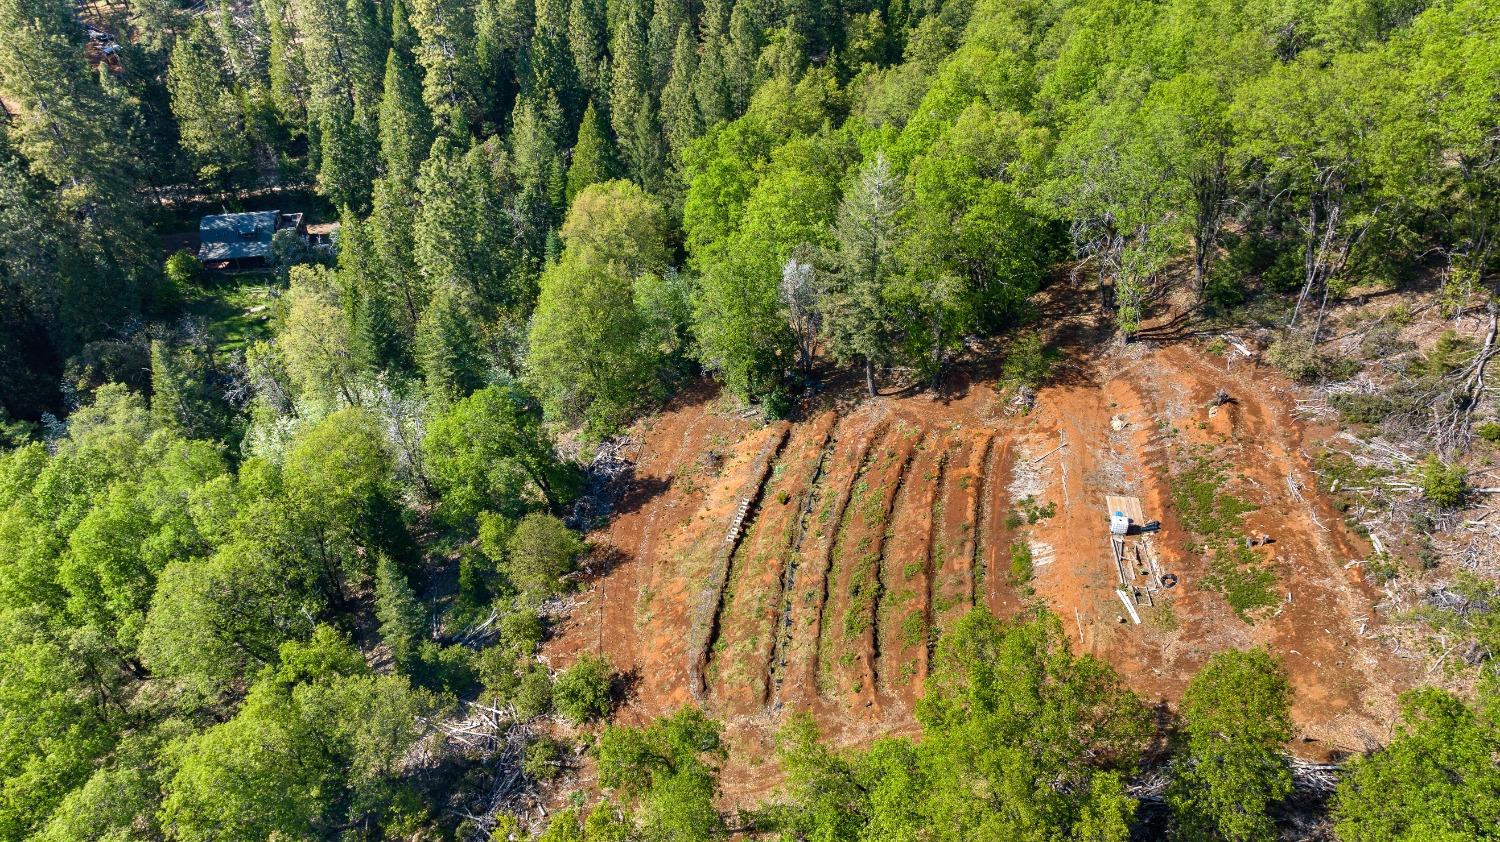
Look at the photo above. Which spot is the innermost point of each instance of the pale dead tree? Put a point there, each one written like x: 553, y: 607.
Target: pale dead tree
x: 401, y: 416
x: 799, y: 295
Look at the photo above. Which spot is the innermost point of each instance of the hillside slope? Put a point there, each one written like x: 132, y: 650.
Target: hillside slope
x: 869, y: 525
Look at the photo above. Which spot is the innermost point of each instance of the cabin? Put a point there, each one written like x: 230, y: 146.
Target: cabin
x: 235, y: 241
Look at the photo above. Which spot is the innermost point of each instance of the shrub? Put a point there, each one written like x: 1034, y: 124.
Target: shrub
x: 1489, y: 431
x: 540, y: 552
x: 184, y: 270
x: 543, y: 759
x: 582, y: 691
x: 1020, y: 562
x: 1443, y: 485
x: 534, y: 695
x: 1027, y: 360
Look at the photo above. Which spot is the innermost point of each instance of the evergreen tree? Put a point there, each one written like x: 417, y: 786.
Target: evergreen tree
x: 858, y: 321
x: 209, y: 120
x: 632, y: 103
x: 462, y: 237
x: 550, y: 59
x: 447, y: 51
x: 346, y: 161
x: 405, y: 125
x: 402, y: 618
x: 710, y: 85
x: 681, y: 123
x: 668, y: 17
x: 448, y: 348
x: 593, y: 154
x: 286, y: 69
x: 535, y: 128
x: 746, y: 34
x: 586, y: 42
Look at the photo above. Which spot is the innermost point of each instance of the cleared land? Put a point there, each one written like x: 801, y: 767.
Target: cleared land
x: 869, y: 527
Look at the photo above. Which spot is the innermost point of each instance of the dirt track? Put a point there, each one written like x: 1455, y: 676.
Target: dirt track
x: 894, y: 516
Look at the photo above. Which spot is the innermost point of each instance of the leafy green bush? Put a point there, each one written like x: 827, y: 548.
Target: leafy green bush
x: 540, y: 552
x: 184, y: 270
x: 1020, y: 562
x: 534, y: 695
x: 542, y: 760
x: 1489, y: 431
x: 1443, y: 485
x: 1027, y: 360
x: 582, y: 691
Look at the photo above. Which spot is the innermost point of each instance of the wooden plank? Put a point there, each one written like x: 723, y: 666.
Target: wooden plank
x: 1131, y: 506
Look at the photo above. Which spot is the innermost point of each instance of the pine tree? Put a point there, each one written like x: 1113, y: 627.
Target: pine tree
x: 679, y: 108
x: 405, y: 138
x: 169, y: 389
x: 402, y: 618
x: 667, y: 18
x: 710, y: 87
x: 449, y: 351
x: 405, y: 125
x: 551, y: 59
x: 209, y: 121
x: 446, y: 50
x: 61, y: 128
x: 346, y: 163
x: 632, y: 105
x: 593, y: 154
x: 741, y: 54
x: 586, y: 43
x: 375, y: 338
x: 287, y: 72
x: 463, y: 238
x: 858, y: 320
x: 539, y: 203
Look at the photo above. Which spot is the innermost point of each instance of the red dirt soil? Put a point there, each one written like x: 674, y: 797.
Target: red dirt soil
x: 921, y: 491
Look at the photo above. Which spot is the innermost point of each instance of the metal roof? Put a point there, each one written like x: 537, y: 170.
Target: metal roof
x: 234, y: 236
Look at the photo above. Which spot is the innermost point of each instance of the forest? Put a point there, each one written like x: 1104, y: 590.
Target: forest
x: 254, y: 571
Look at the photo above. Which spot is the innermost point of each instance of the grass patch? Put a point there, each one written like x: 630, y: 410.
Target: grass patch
x: 1020, y: 563
x: 236, y: 314
x: 1235, y: 571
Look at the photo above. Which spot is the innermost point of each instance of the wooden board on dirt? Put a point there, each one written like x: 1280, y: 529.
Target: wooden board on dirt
x: 1131, y: 506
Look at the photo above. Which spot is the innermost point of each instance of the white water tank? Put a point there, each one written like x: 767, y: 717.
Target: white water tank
x: 1119, y: 524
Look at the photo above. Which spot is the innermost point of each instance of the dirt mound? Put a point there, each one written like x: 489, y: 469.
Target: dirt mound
x: 811, y: 565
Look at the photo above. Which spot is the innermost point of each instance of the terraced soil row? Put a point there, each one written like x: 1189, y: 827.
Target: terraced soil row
x: 847, y: 654
x: 801, y: 631
x: 905, y: 613
x: 742, y: 656
x: 825, y: 559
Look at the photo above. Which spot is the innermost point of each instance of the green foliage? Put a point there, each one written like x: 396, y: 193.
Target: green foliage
x: 669, y: 770
x: 540, y: 551
x: 1019, y: 740
x: 488, y: 452
x: 1435, y: 780
x: 594, y: 355
x: 1020, y: 563
x: 1489, y: 431
x: 542, y: 760
x: 313, y: 746
x: 1232, y: 771
x: 402, y: 618
x: 582, y: 691
x: 1444, y: 485
x: 184, y: 269
x: 1236, y: 571
x: 1027, y: 360
x: 534, y: 694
